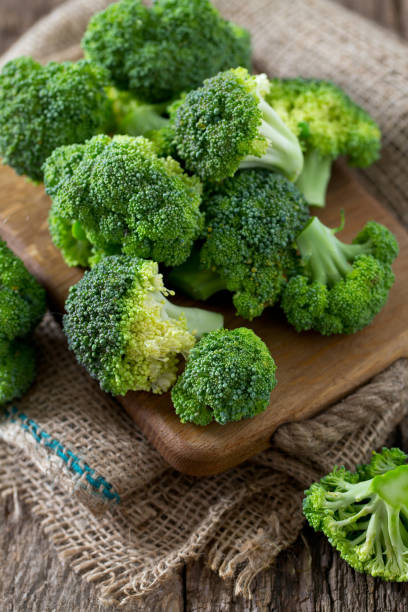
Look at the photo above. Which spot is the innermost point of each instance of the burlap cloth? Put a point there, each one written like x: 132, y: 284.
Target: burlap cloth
x: 105, y: 497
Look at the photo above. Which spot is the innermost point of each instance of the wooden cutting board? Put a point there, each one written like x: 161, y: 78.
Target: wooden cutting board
x: 313, y: 371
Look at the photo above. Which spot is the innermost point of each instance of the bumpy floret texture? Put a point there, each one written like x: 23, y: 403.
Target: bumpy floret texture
x: 229, y: 376
x: 160, y: 52
x: 217, y: 125
x: 44, y: 107
x: 116, y: 195
x: 342, y: 286
x: 117, y: 327
x: 325, y: 118
x: 22, y: 299
x: 364, y: 514
x: 22, y: 306
x: 17, y: 369
x: 252, y: 221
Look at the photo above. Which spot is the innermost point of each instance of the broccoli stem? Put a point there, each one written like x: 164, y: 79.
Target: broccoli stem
x: 198, y: 321
x: 326, y: 259
x: 314, y: 178
x: 193, y: 281
x: 283, y: 151
x: 141, y: 119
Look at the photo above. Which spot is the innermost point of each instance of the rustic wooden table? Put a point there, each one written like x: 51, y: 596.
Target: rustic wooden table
x: 309, y: 577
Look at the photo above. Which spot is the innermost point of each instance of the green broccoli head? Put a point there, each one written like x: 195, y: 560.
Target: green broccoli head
x: 160, y: 52
x: 44, y: 107
x: 328, y: 124
x: 22, y: 299
x: 252, y: 221
x: 364, y: 514
x: 227, y: 124
x: 17, y: 369
x: 229, y: 376
x: 113, y: 195
x: 342, y: 286
x: 124, y: 331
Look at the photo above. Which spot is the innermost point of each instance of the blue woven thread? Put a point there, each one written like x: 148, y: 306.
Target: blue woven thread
x: 101, y: 486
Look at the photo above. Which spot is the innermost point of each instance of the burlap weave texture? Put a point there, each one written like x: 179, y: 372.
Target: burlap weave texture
x: 241, y: 519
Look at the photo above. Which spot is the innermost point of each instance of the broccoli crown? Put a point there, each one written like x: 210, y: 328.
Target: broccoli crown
x: 227, y: 124
x: 229, y: 376
x: 342, y: 286
x: 123, y: 330
x: 113, y: 195
x: 17, y: 369
x: 22, y: 299
x: 325, y: 118
x: 252, y: 221
x: 160, y: 52
x: 44, y: 107
x: 364, y: 514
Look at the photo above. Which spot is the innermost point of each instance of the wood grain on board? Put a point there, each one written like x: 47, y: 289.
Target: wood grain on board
x: 313, y: 371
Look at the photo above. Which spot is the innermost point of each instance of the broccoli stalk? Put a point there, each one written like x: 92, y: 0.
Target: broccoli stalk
x: 192, y: 280
x: 315, y: 176
x: 364, y: 514
x: 342, y: 286
x: 283, y: 151
x: 326, y: 258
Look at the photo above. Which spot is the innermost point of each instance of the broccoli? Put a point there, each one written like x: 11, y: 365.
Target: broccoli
x: 364, y: 514
x: 44, y: 107
x: 229, y: 376
x: 328, y: 124
x: 252, y: 221
x: 160, y: 52
x: 113, y: 195
x: 342, y: 286
x: 22, y: 306
x: 227, y: 124
x: 133, y: 117
x: 124, y: 331
x: 17, y: 369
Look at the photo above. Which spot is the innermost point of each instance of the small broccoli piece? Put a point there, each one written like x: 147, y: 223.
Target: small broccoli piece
x: 342, y: 286
x: 22, y: 306
x: 22, y: 299
x: 124, y: 331
x: 364, y: 514
x: 328, y: 124
x: 44, y: 107
x: 227, y: 124
x: 252, y: 221
x: 160, y: 52
x: 229, y: 376
x: 116, y: 195
x: 17, y: 370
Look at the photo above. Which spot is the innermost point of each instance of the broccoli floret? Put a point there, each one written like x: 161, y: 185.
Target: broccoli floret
x: 17, y: 369
x: 22, y: 299
x: 22, y: 306
x: 364, y: 514
x: 44, y: 107
x: 229, y: 376
x: 124, y: 331
x: 160, y: 52
x: 342, y: 286
x: 252, y: 220
x: 227, y: 124
x: 116, y: 195
x: 328, y: 124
